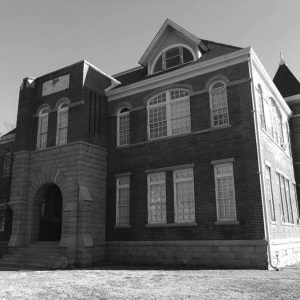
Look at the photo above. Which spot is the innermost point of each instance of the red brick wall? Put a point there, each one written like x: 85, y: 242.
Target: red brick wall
x: 237, y: 141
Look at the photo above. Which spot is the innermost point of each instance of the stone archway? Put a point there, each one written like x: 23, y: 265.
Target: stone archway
x: 47, y: 210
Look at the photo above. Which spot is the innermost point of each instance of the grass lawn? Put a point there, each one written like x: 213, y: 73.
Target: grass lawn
x: 122, y: 283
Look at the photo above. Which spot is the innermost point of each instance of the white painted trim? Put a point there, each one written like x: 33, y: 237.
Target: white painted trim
x: 150, y: 70
x: 176, y: 27
x: 269, y: 82
x: 117, y: 200
x: 185, y: 72
x: 172, y: 168
x: 216, y: 176
x: 222, y: 161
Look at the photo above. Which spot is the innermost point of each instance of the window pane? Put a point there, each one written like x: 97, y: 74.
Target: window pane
x: 123, y: 199
x: 124, y: 129
x: 187, y: 55
x: 173, y: 62
x: 158, y: 122
x: 172, y: 52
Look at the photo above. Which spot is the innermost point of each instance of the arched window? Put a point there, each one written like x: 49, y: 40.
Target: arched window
x: 173, y: 57
x: 42, y: 128
x: 261, y: 107
x: 218, y: 104
x: 276, y: 123
x: 62, y: 124
x: 169, y: 113
x: 123, y: 127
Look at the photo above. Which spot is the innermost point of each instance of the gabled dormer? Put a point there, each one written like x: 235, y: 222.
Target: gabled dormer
x: 171, y: 47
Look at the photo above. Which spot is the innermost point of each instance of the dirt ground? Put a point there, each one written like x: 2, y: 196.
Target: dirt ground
x: 124, y: 283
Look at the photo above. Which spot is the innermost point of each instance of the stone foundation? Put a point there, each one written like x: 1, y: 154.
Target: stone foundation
x: 285, y: 252
x: 210, y: 254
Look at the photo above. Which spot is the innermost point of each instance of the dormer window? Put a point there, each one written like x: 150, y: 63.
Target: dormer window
x: 173, y: 57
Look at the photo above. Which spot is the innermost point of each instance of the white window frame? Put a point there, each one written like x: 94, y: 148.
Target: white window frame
x: 168, y: 105
x: 119, y: 186
x: 3, y: 212
x: 162, y: 56
x: 217, y: 176
x: 163, y: 204
x: 269, y: 183
x: 125, y: 114
x: 262, y: 108
x: 175, y: 182
x: 42, y: 137
x: 62, y: 109
x: 276, y: 123
x: 213, y: 91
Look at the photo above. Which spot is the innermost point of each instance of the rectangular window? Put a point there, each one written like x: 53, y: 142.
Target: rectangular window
x: 285, y: 199
x: 123, y: 200
x: 184, y: 201
x: 225, y: 194
x: 62, y: 132
x: 3, y: 203
x: 269, y: 193
x: 7, y: 165
x: 157, y: 198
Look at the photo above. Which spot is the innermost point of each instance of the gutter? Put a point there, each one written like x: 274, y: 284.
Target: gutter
x: 260, y: 169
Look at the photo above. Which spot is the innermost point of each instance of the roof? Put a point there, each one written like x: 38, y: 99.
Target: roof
x: 285, y: 81
x: 140, y: 73
x: 8, y: 137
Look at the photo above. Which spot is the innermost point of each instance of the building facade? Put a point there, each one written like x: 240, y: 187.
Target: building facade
x: 188, y: 159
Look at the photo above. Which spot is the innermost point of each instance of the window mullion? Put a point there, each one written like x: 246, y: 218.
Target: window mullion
x: 169, y: 113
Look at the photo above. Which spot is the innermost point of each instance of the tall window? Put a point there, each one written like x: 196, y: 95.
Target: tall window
x: 184, y: 202
x: 225, y: 194
x: 123, y: 127
x: 42, y: 129
x: 173, y: 57
x: 62, y: 124
x: 285, y: 199
x: 123, y: 200
x: 261, y: 107
x: 218, y: 104
x: 3, y: 206
x: 169, y: 113
x: 296, y: 202
x: 276, y: 123
x: 7, y: 164
x: 269, y: 192
x: 157, y: 198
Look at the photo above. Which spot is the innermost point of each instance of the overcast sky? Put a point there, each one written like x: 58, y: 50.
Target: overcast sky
x: 37, y: 37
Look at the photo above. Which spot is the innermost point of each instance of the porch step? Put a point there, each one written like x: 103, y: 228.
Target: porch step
x: 37, y: 255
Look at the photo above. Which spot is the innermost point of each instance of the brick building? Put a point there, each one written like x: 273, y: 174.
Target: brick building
x: 186, y: 159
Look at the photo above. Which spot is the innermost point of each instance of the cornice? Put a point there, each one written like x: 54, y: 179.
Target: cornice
x: 269, y: 82
x: 180, y: 74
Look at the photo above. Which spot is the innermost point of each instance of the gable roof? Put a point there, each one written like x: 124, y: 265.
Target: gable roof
x: 285, y: 81
x: 161, y: 31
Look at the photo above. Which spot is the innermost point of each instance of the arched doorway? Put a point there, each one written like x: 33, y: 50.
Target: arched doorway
x: 51, y: 214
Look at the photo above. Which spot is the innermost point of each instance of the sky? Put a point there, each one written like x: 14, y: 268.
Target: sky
x: 38, y: 37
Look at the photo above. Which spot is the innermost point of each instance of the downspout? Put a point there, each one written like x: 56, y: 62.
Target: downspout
x: 260, y: 168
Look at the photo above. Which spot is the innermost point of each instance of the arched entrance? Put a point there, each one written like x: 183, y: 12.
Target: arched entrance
x: 50, y: 214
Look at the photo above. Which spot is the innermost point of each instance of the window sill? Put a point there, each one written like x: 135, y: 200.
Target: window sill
x: 120, y: 226
x: 273, y: 222
x: 229, y: 222
x: 186, y: 224
x: 289, y: 224
x: 220, y: 127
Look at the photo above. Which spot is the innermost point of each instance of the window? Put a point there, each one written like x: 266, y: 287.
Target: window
x: 42, y: 129
x: 261, y: 108
x: 123, y: 200
x: 3, y: 206
x: 225, y: 195
x: 276, y: 123
x: 7, y: 165
x: 157, y: 198
x: 169, y: 113
x: 269, y: 193
x: 173, y: 57
x: 296, y: 202
x: 62, y: 124
x: 285, y: 199
x: 218, y: 104
x: 123, y: 127
x: 184, y: 202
